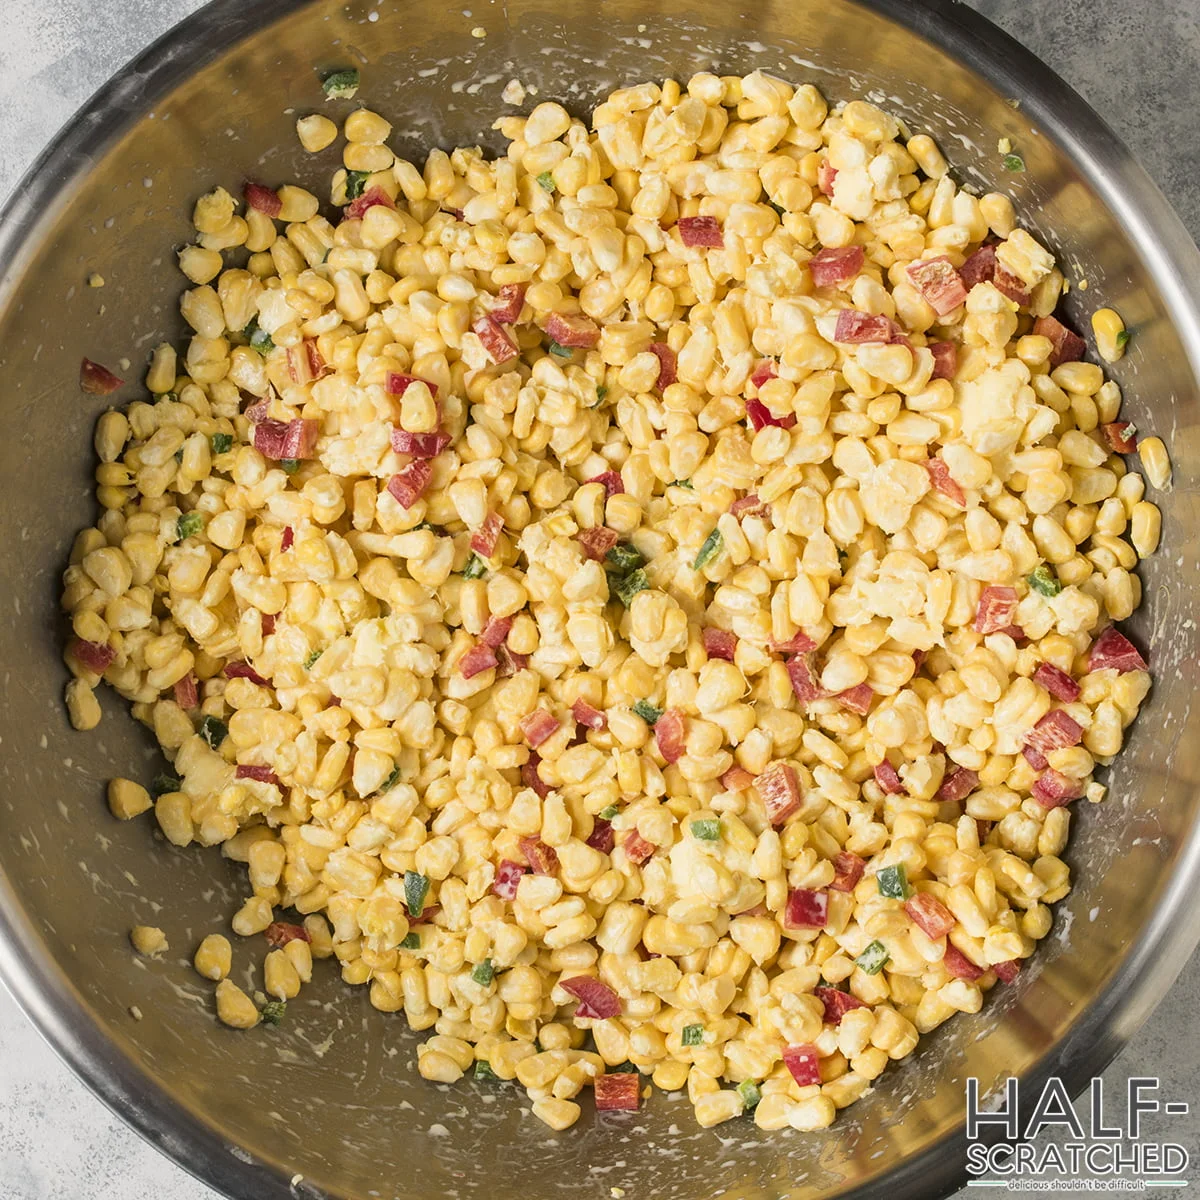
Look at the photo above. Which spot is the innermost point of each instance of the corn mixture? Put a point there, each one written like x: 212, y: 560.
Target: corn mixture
x: 643, y: 602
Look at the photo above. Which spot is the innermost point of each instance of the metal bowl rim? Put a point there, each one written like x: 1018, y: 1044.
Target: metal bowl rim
x: 54, y: 1004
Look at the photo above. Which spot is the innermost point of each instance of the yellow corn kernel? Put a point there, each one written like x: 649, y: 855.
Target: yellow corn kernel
x: 1110, y: 333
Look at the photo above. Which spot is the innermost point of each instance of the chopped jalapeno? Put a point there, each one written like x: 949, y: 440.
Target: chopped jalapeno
x: 341, y: 85
x: 475, y: 568
x: 778, y: 208
x: 546, y: 180
x: 628, y: 586
x: 411, y: 941
x: 259, y: 339
x: 188, y: 525
x: 221, y: 442
x: 750, y: 1093
x: 1042, y: 579
x: 1014, y: 162
x: 213, y: 731
x: 693, y: 1035
x: 873, y: 958
x: 713, y: 545
x: 165, y: 783
x: 273, y: 1012
x: 683, y: 483
x: 179, y: 455
x: 312, y: 658
x: 607, y: 814
x: 290, y: 465
x: 893, y: 882
x: 484, y: 972
x: 560, y: 351
x: 624, y: 557
x: 601, y: 391
x: 706, y: 830
x: 391, y: 781
x: 483, y: 1070
x: 647, y: 711
x: 416, y: 888
x: 356, y: 182
x: 1123, y: 337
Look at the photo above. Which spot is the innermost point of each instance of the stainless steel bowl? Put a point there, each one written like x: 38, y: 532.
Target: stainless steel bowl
x: 330, y: 1104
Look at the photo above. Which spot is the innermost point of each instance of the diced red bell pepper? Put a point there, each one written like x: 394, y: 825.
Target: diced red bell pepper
x: 798, y: 643
x: 888, y: 778
x: 1006, y: 972
x: 495, y: 340
x: 597, y: 541
x: 614, y: 485
x: 1057, y: 682
x: 587, y: 714
x: 408, y: 486
x: 1067, y: 346
x: 187, y: 694
x: 484, y: 539
x: 939, y: 283
x: 261, y: 774
x: 837, y: 1003
x: 398, y: 383
x: 1121, y: 436
x: 957, y: 784
x: 719, y: 643
x: 286, y: 539
x: 737, y: 779
x: 96, y: 656
x: 959, y: 965
x: 542, y: 859
x: 929, y: 914
x: 1010, y: 285
x: 279, y: 933
x: 764, y: 371
x: 942, y: 481
x: 1034, y: 757
x: 701, y: 231
x: 854, y: 328
x: 419, y: 445
x: 243, y: 670
x: 996, y: 608
x: 826, y: 174
x: 531, y: 776
x: 509, y: 301
x: 1051, y: 789
x: 602, y: 837
x: 97, y: 380
x: 265, y: 199
x: 496, y: 631
x: 834, y: 265
x: 291, y: 439
x: 508, y: 879
x: 257, y: 412
x: 357, y: 208
x: 761, y: 416
x: 1055, y: 731
x: 637, y: 849
x: 748, y: 506
x: 667, y: 364
x: 573, y: 330
x: 804, y: 683
x: 979, y: 267
x: 539, y: 725
x: 1112, y: 650
x: 779, y: 789
x: 617, y: 1092
x: 857, y: 699
x: 669, y: 735
x: 593, y: 994
x: 945, y: 360
x: 848, y: 870
x: 479, y: 658
x: 807, y: 908
x: 803, y: 1062
x: 510, y: 662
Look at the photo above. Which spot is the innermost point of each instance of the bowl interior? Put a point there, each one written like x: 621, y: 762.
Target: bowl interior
x: 330, y: 1104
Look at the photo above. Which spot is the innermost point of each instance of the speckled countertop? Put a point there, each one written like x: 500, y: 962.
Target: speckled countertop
x: 1136, y: 64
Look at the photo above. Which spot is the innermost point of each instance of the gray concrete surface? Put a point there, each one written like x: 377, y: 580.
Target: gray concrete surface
x: 1136, y: 64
